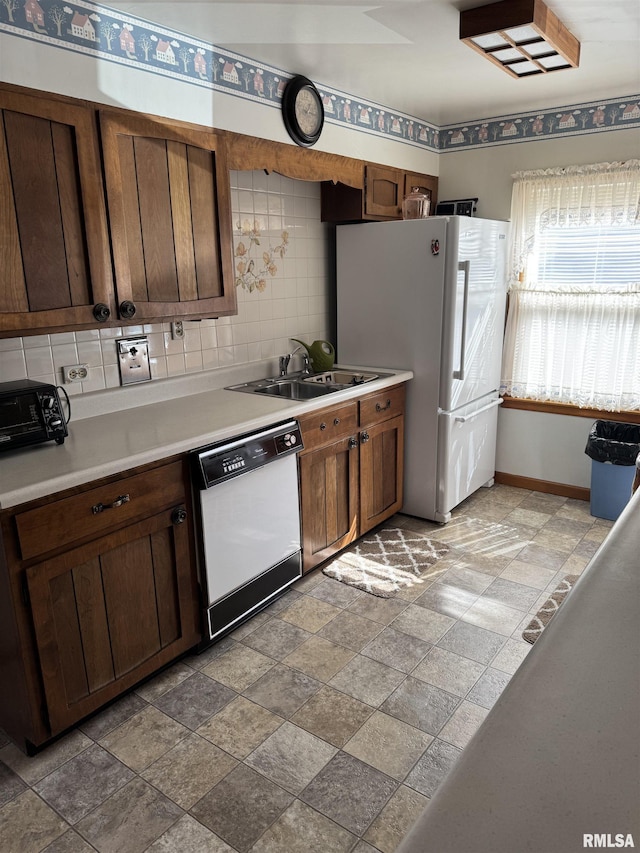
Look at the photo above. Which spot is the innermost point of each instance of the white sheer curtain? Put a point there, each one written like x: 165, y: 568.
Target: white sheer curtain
x: 573, y: 327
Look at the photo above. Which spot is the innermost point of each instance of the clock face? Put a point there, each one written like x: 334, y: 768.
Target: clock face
x: 308, y: 111
x: 302, y: 111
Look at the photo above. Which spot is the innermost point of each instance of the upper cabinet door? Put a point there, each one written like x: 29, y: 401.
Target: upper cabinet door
x: 170, y: 217
x: 54, y: 246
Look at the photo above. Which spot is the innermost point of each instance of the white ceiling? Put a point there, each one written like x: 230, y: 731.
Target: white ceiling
x: 406, y: 55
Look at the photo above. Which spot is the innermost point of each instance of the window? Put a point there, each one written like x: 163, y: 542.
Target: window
x: 573, y: 326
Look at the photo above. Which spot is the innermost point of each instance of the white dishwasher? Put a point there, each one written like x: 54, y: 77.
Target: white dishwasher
x: 249, y: 522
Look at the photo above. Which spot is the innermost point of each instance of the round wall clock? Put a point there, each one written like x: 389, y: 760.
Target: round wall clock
x: 302, y: 111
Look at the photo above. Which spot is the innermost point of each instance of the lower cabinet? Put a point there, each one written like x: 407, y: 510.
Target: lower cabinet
x: 100, y: 612
x: 351, y: 471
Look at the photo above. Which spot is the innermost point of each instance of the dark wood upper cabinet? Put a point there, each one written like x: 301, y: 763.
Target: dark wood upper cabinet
x: 380, y: 198
x: 54, y: 244
x: 170, y: 218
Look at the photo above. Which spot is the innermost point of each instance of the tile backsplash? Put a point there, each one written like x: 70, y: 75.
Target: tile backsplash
x: 284, y: 284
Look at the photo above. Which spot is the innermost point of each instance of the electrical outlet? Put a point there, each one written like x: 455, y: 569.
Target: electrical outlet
x: 75, y: 373
x: 133, y: 359
x: 177, y: 330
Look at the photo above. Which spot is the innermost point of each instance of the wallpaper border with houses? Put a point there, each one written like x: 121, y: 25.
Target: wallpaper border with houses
x: 97, y: 30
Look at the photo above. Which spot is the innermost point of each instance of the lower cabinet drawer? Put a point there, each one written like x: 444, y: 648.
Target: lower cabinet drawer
x: 381, y: 406
x: 328, y: 425
x: 91, y: 513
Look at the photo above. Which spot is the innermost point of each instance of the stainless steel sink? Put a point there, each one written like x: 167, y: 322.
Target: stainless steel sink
x: 297, y: 390
x: 303, y: 387
x: 342, y: 378
x: 289, y: 387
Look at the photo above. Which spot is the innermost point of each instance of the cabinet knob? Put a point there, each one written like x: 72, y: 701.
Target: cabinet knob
x: 323, y: 425
x: 353, y: 442
x: 365, y: 437
x: 380, y: 408
x: 179, y: 515
x: 336, y: 421
x: 101, y: 312
x: 127, y: 310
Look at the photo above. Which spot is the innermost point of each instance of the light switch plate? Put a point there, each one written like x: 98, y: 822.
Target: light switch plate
x: 133, y: 360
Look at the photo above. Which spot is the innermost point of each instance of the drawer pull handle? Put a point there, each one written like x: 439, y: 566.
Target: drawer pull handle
x: 380, y: 408
x: 365, y: 437
x: 121, y: 499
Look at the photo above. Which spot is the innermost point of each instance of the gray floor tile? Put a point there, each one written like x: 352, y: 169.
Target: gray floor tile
x: 448, y: 671
x: 291, y: 757
x: 388, y: 744
x: 84, y: 782
x: 10, y: 784
x: 195, y: 700
x: 240, y: 727
x: 512, y: 594
x: 319, y: 658
x: 189, y: 836
x: 189, y: 770
x: 463, y: 724
x: 425, y: 624
x: 282, y: 690
x: 335, y: 592
x: 395, y: 819
x: 421, y: 705
x: 27, y: 824
x: 241, y: 807
x: 367, y: 680
x: 239, y: 667
x: 433, y: 767
x: 447, y: 599
x: 382, y: 610
x: 397, y: 649
x: 106, y: 721
x: 488, y: 687
x: 472, y: 642
x: 332, y: 715
x: 301, y: 829
x: 350, y: 630
x: 349, y: 792
x: 70, y: 842
x: 131, y: 819
x: 276, y: 638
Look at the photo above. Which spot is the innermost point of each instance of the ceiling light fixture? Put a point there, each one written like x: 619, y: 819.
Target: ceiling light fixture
x: 523, y: 37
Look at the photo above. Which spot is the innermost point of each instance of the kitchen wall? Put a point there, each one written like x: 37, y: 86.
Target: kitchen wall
x: 298, y: 299
x: 533, y: 444
x: 291, y: 296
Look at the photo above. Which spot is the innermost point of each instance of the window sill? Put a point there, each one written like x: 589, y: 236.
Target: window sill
x: 568, y: 409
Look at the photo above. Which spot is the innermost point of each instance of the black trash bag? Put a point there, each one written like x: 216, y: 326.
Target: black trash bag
x: 613, y: 442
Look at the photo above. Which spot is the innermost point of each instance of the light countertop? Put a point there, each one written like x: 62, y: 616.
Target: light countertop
x: 113, y: 441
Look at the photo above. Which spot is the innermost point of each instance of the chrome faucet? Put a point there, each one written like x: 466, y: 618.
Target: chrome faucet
x: 284, y: 360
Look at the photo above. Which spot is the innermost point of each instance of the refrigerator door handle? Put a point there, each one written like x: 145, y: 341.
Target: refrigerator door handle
x: 462, y: 419
x: 463, y: 266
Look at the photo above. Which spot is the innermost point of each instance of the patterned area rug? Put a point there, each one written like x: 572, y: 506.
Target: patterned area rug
x: 548, y: 609
x: 386, y: 561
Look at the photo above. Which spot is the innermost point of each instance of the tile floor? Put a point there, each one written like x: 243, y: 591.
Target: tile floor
x: 325, y: 723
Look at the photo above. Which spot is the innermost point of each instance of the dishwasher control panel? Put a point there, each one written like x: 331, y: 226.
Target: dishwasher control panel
x: 230, y: 458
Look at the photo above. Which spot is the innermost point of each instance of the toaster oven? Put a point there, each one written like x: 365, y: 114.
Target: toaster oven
x: 30, y: 413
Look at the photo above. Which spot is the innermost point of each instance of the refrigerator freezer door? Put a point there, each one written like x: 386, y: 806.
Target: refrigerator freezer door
x: 466, y: 453
x: 389, y: 314
x: 475, y: 294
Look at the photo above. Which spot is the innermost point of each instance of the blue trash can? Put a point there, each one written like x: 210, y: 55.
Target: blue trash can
x: 613, y: 448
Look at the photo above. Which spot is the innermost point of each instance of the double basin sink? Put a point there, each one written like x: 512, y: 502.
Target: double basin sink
x: 299, y: 386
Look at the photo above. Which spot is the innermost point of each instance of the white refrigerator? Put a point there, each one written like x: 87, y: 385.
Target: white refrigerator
x: 429, y: 295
